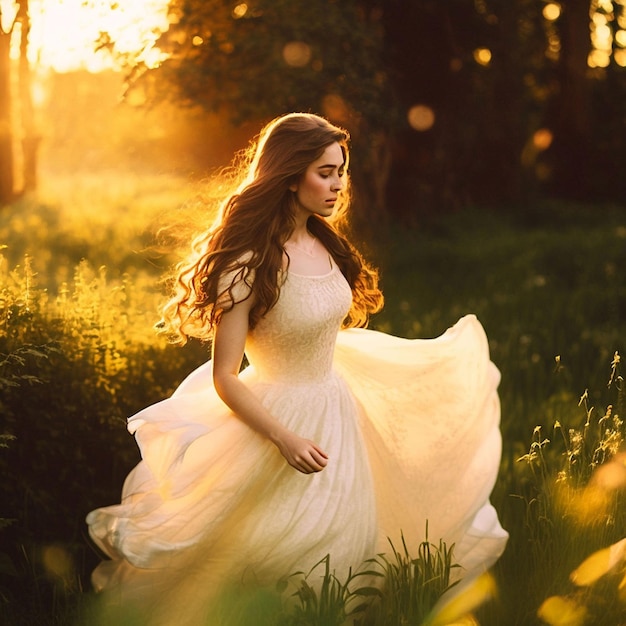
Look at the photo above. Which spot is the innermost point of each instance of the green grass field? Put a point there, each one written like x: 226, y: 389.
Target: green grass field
x: 78, y: 355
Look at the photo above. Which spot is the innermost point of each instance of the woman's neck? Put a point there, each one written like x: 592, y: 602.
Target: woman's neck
x: 300, y: 234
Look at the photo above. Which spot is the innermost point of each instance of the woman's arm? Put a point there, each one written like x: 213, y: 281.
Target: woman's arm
x: 228, y: 349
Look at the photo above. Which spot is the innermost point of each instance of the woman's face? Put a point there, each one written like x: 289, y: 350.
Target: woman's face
x: 318, y: 188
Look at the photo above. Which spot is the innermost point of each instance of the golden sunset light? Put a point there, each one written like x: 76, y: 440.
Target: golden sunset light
x: 64, y: 32
x: 207, y: 415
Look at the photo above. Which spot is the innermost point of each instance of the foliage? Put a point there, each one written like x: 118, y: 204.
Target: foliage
x: 366, y: 63
x: 578, y: 496
x: 260, y: 59
x: 329, y: 602
x: 75, y: 361
x: 90, y: 353
x: 412, y: 586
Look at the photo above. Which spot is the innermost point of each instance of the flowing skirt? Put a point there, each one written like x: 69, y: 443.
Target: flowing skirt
x: 411, y: 428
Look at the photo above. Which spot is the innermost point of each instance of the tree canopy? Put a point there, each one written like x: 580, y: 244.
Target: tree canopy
x: 254, y: 60
x: 467, y: 101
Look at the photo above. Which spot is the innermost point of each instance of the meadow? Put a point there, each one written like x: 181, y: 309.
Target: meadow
x: 80, y: 285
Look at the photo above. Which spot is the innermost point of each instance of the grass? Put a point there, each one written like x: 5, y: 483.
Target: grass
x: 77, y: 355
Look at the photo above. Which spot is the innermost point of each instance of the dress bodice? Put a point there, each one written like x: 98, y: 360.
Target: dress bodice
x: 294, y: 342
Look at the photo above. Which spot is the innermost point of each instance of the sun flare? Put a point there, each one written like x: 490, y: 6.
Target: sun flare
x: 64, y: 32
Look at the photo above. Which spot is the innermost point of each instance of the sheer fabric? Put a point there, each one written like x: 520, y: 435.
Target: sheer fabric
x: 411, y: 429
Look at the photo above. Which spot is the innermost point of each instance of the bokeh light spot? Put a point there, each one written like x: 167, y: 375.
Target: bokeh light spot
x: 620, y: 38
x: 297, y: 53
x: 240, y: 11
x: 602, y: 36
x: 478, y: 592
x: 552, y: 11
x: 612, y: 476
x: 197, y: 40
x: 542, y: 139
x: 482, y: 56
x: 560, y: 611
x: 598, y: 58
x: 620, y: 57
x: 421, y: 117
x: 57, y: 562
x: 599, y: 564
x: 335, y: 108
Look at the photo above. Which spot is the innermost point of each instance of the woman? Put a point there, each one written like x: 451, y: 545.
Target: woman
x: 327, y: 443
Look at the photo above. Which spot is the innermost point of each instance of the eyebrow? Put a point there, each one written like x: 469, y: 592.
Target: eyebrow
x: 331, y: 166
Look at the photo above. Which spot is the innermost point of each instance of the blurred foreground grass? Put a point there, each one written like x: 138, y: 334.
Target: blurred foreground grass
x: 78, y: 355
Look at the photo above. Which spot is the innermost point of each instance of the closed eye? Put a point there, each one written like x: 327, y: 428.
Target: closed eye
x: 327, y: 171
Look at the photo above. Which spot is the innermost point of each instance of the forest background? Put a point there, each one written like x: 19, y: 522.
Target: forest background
x: 489, y: 162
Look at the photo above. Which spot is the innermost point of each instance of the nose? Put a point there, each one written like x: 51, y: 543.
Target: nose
x: 337, y: 184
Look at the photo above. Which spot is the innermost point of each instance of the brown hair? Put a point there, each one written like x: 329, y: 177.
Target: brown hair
x: 246, y: 242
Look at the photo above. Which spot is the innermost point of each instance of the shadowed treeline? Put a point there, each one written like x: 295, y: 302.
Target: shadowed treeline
x: 468, y: 102
x: 449, y: 104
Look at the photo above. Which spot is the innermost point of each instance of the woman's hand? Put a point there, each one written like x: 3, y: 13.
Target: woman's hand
x: 302, y: 454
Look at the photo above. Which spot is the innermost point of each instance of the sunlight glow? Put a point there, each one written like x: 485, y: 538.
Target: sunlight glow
x: 620, y: 57
x: 559, y: 611
x: 478, y: 592
x: 542, y: 139
x: 602, y: 36
x: 297, y: 53
x: 598, y: 564
x: 421, y: 117
x: 552, y: 11
x: 64, y: 32
x: 554, y: 47
x: 598, y: 58
x: 603, y: 14
x: 240, y: 11
x: 482, y: 56
x: 605, y: 5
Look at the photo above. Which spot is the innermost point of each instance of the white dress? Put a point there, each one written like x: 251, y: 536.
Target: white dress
x: 411, y: 429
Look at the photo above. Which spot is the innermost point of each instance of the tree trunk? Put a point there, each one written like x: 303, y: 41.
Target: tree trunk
x: 30, y: 140
x: 572, y: 146
x: 6, y: 139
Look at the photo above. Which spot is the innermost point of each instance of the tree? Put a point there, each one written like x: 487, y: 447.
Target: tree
x: 491, y: 72
x: 6, y: 128
x: 30, y: 139
x: 256, y: 60
x: 365, y: 63
x: 29, y: 145
x: 571, y: 108
x: 588, y: 113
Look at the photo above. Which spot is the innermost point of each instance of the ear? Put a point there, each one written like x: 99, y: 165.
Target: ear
x: 293, y: 187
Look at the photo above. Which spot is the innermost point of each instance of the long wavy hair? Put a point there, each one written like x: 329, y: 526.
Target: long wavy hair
x: 246, y: 241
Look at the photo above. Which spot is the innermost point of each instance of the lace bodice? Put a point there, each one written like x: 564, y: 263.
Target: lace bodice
x: 294, y: 342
